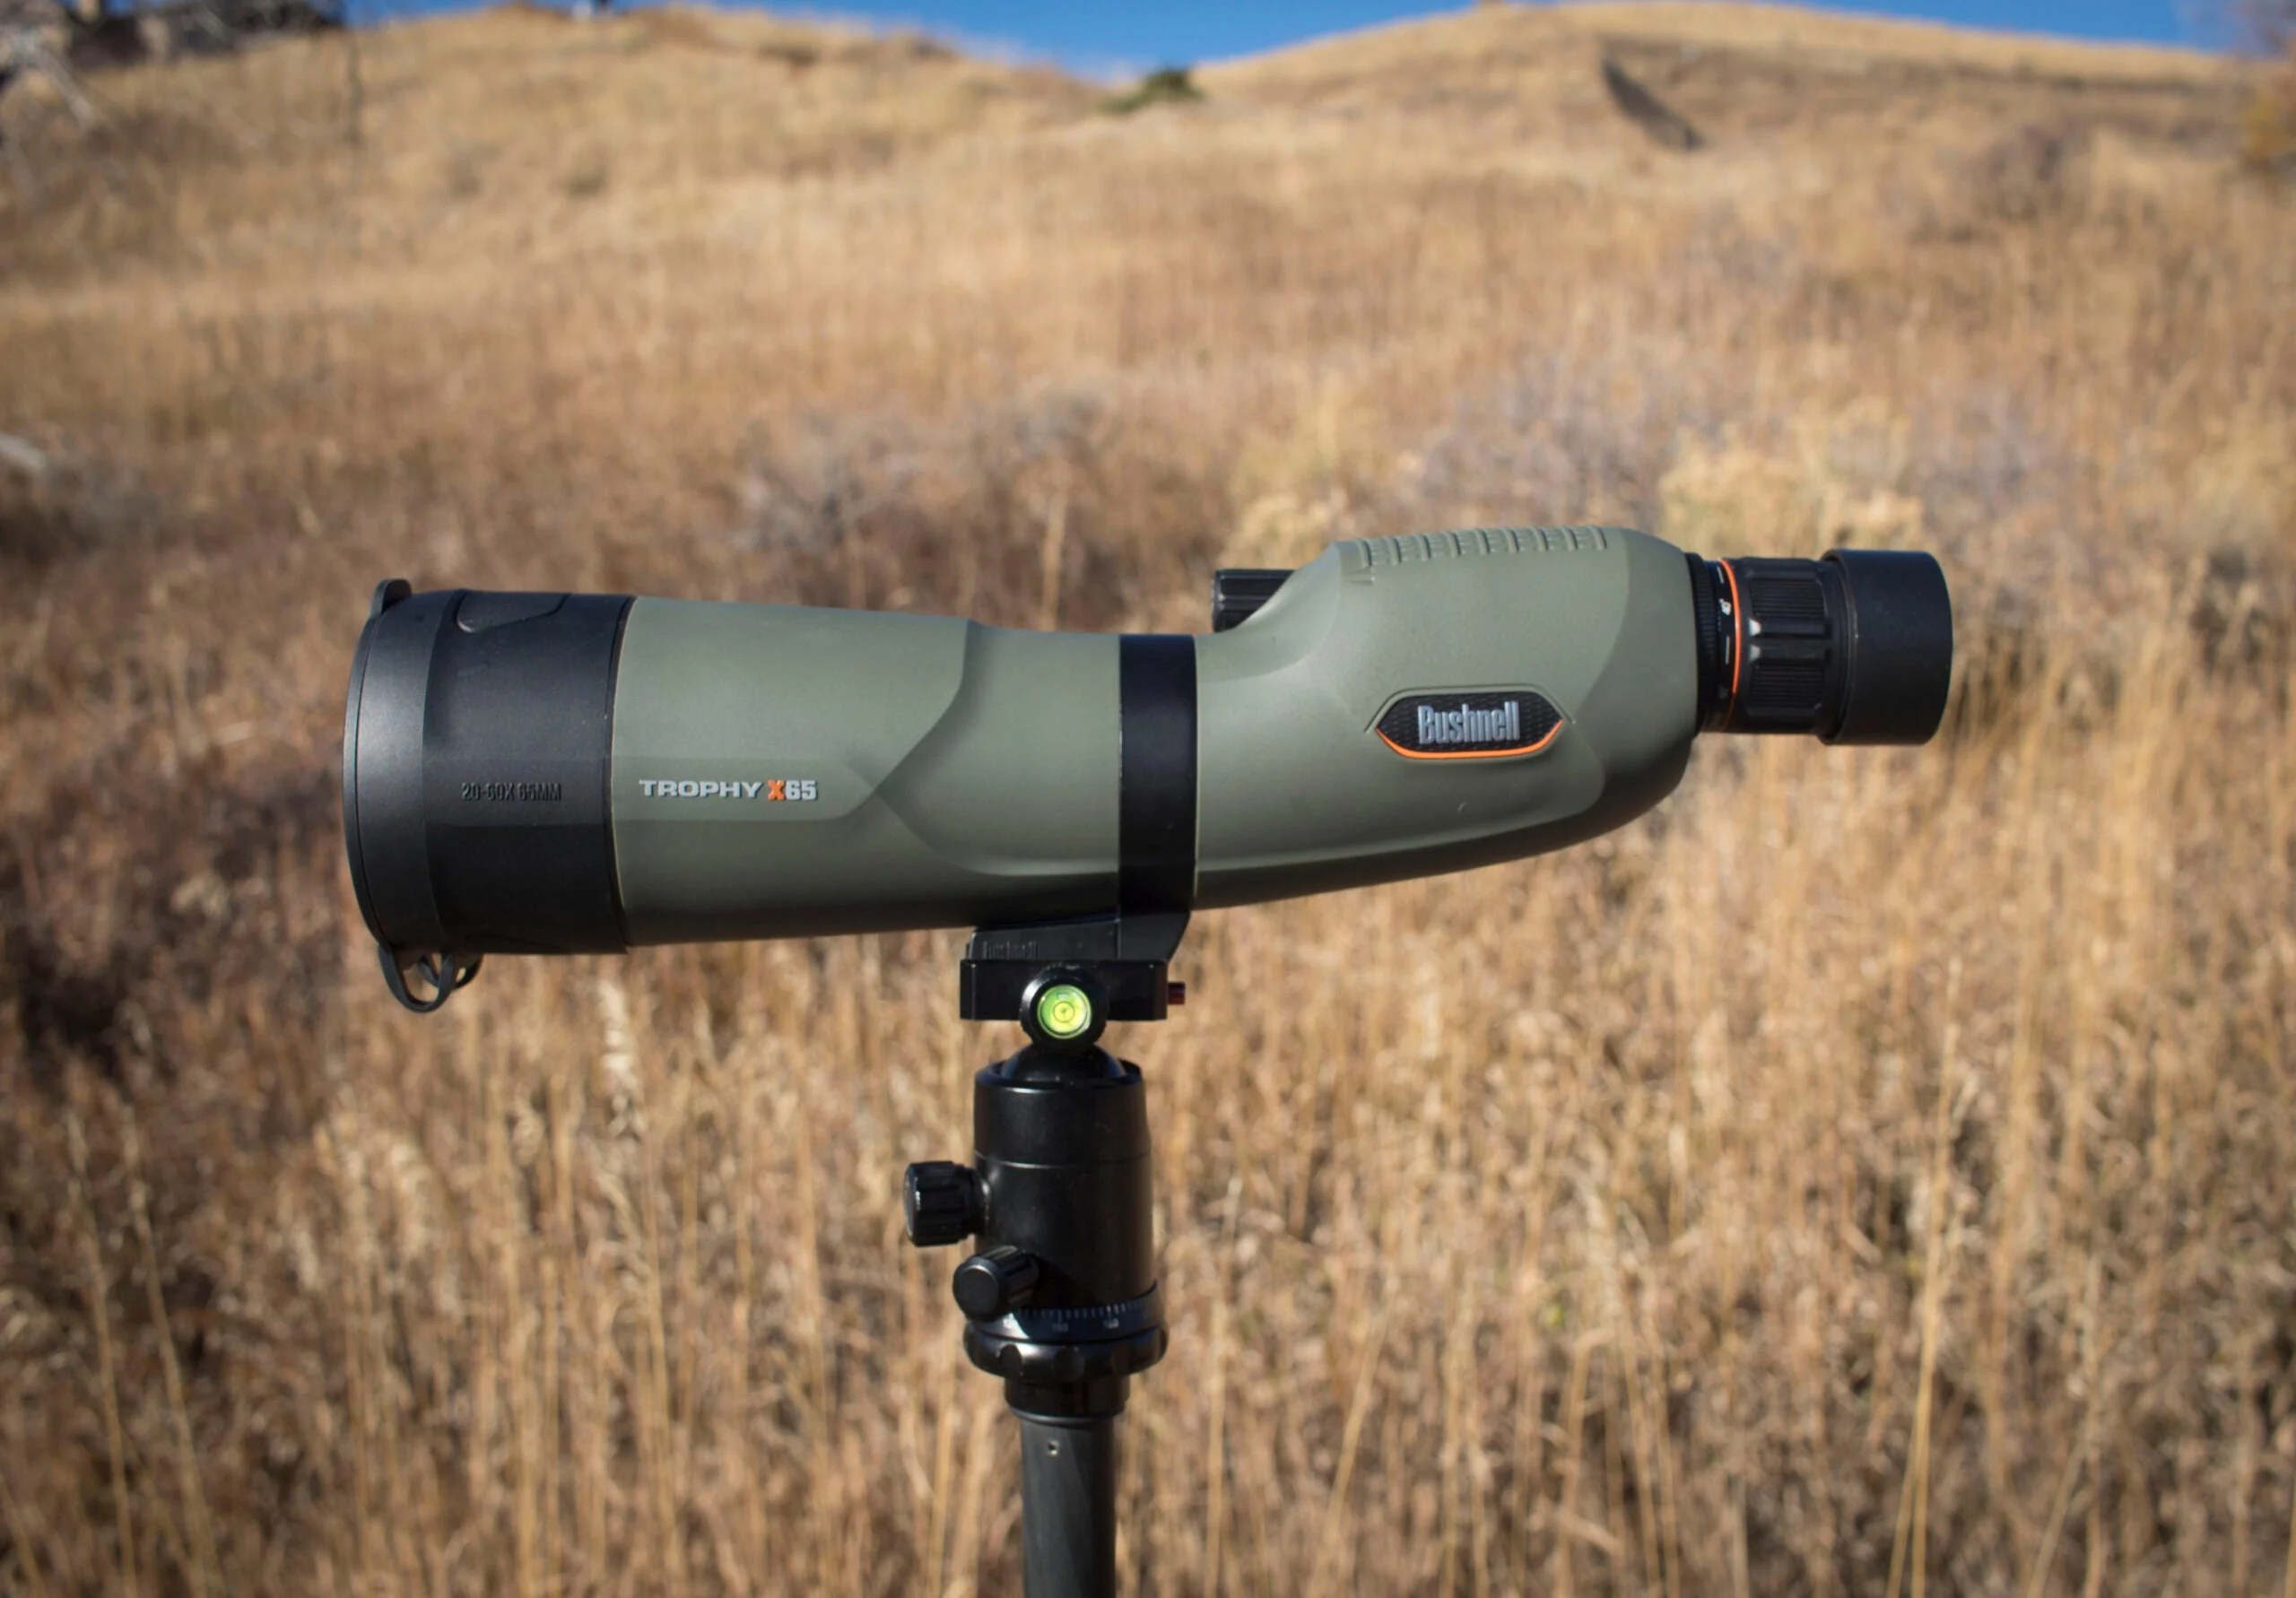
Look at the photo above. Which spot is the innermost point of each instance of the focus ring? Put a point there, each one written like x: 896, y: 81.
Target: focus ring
x: 1794, y: 673
x: 1713, y: 642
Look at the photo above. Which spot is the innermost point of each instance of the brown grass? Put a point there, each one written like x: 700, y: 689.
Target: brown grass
x: 1870, y: 1175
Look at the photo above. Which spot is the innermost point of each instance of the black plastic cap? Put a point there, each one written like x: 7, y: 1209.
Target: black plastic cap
x: 1901, y: 653
x: 477, y: 738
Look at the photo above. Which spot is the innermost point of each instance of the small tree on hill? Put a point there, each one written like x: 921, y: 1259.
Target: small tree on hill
x: 1166, y: 86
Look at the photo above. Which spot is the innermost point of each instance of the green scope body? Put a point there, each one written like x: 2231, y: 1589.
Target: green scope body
x: 559, y: 773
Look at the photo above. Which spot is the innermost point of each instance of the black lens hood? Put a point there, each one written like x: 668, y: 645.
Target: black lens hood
x: 476, y: 744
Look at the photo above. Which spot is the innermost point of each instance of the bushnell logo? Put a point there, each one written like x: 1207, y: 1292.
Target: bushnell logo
x: 1483, y: 723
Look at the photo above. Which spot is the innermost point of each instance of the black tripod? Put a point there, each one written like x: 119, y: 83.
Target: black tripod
x: 1061, y: 1300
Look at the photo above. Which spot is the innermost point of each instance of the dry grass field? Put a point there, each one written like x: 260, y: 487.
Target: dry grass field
x: 1874, y: 1173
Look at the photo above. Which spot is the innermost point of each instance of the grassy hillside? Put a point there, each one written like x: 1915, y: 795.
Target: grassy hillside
x: 1870, y: 1174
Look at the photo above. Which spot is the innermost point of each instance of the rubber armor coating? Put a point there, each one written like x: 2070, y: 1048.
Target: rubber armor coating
x: 781, y: 772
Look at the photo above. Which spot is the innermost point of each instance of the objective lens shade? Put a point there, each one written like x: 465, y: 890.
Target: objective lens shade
x: 476, y: 740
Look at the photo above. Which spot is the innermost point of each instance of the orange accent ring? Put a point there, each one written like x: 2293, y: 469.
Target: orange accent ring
x: 1472, y: 754
x: 1738, y: 650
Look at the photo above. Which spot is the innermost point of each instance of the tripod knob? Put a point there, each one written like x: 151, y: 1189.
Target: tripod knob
x: 940, y: 1203
x: 994, y: 1283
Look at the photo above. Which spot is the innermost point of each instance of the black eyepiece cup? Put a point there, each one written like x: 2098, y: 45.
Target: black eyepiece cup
x: 1901, y: 645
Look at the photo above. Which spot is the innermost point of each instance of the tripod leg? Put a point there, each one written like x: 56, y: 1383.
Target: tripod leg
x: 1068, y: 1505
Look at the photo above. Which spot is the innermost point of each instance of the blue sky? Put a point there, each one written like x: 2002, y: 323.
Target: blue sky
x: 1107, y: 39
x: 1108, y: 36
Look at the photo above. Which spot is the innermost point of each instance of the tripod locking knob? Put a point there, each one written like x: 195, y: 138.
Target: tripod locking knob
x: 940, y: 1203
x: 994, y: 1283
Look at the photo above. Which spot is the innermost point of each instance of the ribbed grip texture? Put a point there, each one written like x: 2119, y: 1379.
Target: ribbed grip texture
x: 1410, y: 548
x: 1796, y: 634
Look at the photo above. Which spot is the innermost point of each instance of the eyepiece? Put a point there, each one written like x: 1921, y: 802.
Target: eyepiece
x: 1856, y: 647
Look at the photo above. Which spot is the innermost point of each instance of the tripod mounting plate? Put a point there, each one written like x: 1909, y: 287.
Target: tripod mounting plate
x: 1127, y: 958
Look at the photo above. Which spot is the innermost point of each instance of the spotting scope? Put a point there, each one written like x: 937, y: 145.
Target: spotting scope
x: 529, y: 773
